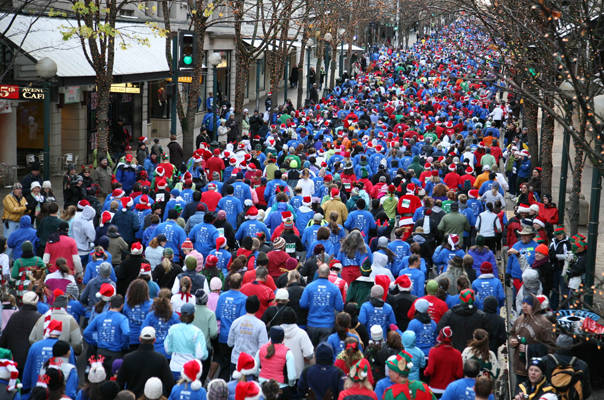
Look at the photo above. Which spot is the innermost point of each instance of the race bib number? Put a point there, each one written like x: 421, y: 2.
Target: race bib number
x: 406, y: 203
x: 160, y: 197
x: 290, y: 248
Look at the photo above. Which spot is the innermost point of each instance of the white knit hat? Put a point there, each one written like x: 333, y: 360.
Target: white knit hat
x: 376, y: 333
x: 30, y: 298
x: 97, y: 372
x: 153, y: 388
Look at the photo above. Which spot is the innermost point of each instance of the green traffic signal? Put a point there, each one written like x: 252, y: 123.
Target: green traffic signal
x: 188, y: 60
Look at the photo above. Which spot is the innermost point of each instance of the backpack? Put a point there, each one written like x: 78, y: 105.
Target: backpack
x: 566, y: 380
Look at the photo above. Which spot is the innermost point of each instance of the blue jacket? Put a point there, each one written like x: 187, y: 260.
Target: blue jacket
x: 112, y: 331
x: 76, y: 309
x: 418, y: 278
x: 140, y: 215
x: 322, y: 299
x: 161, y: 329
x: 361, y: 219
x: 400, y: 250
x: 251, y: 228
x: 136, y: 315
x: 127, y: 224
x: 303, y: 218
x: 37, y: 355
x: 442, y: 255
x: 326, y: 243
x: 381, y: 386
x: 241, y: 191
x: 338, y: 345
x: 92, y: 271
x: 183, y: 392
x: 358, y: 258
x: 425, y: 334
x: 481, y: 256
x: 376, y: 312
x: 310, y: 235
x: 204, y: 238
x: 224, y: 258
x: 23, y: 233
x: 172, y: 203
x: 513, y: 266
x: 274, y: 219
x: 232, y: 206
x: 408, y: 338
x: 175, y: 235
x: 230, y: 306
x: 126, y: 175
x: 488, y: 285
x: 461, y: 389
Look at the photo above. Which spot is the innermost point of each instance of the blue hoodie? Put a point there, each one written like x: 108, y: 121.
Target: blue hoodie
x: 425, y: 334
x: 418, y: 356
x: 400, y: 250
x: 232, y: 206
x: 161, y: 329
x: 321, y: 298
x: 37, y: 355
x: 183, y: 391
x: 481, y: 256
x: 488, y: 285
x: 204, y: 238
x: 382, y: 385
x: 376, y: 312
x: 513, y: 267
x: 23, y: 233
x: 461, y: 389
x: 92, y: 271
x: 443, y: 255
x: 112, y: 331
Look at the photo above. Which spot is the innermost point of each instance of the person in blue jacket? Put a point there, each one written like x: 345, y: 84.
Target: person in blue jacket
x: 126, y: 173
x: 231, y: 205
x: 360, y: 219
x: 161, y: 318
x: 375, y: 311
x: 337, y: 340
x: 418, y: 278
x: 126, y: 221
x: 386, y: 382
x: 463, y: 389
x: 61, y: 352
x: 524, y: 247
x: 189, y: 386
x: 98, y: 257
x: 400, y: 249
x: 322, y: 299
x: 251, y: 227
x: 425, y: 329
x: 204, y: 235
x: 487, y: 284
x: 173, y: 233
x: 175, y: 200
x: 136, y: 308
x: 74, y: 307
x: 25, y: 232
x: 446, y: 252
x: 408, y: 339
x: 112, y: 331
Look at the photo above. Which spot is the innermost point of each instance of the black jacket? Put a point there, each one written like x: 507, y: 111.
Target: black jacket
x: 495, y: 324
x: 463, y: 320
x: 141, y: 365
x: 128, y: 271
x: 401, y: 303
x: 295, y: 292
x: 565, y: 357
x: 15, y: 336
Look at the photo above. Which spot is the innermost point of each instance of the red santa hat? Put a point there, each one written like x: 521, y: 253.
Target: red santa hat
x: 144, y: 200
x: 247, y: 391
x: 523, y: 208
x: 54, y: 328
x: 10, y: 373
x: 473, y: 194
x: 191, y: 372
x: 335, y: 192
x: 252, y: 213
x: 136, y: 249
x: 105, y: 217
x: 187, y: 244
x: 453, y: 240
x: 410, y: 188
x: 117, y: 193
x: 245, y: 365
x: 143, y: 139
x: 160, y: 171
x: 469, y: 170
x: 145, y: 269
x: 106, y: 292
x: 404, y: 283
x: 161, y: 184
x: 427, y: 165
x: 216, y: 152
x: 82, y: 204
x: 126, y: 203
x: 406, y: 222
x: 384, y: 282
x: 307, y: 200
x: 452, y: 167
x: 539, y: 222
x: 335, y: 264
x: 220, y: 242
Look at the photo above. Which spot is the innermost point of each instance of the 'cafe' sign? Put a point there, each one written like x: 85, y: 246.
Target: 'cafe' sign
x: 15, y: 92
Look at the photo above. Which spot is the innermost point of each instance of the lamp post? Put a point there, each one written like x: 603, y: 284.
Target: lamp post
x: 567, y: 90
x: 594, y: 206
x: 257, y: 84
x: 46, y: 69
x: 341, y: 35
x: 285, y: 77
x: 214, y: 60
x: 327, y: 56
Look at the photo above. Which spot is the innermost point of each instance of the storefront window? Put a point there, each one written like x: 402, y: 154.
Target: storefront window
x: 30, y: 125
x: 159, y: 99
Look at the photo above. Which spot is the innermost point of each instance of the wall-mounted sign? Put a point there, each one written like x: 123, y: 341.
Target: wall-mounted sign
x: 125, y: 88
x: 15, y: 92
x: 72, y: 95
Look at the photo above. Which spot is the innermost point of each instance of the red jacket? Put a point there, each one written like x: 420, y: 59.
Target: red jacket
x: 215, y: 164
x: 407, y: 204
x: 436, y: 309
x: 250, y: 276
x: 263, y: 292
x: 211, y: 199
x: 444, y: 366
x: 276, y: 262
x: 452, y: 180
x: 357, y: 392
x: 513, y: 226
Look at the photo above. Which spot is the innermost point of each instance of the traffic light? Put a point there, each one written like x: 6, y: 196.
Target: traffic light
x: 186, y: 43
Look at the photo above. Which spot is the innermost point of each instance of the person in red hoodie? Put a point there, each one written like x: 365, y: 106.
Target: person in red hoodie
x: 426, y: 174
x: 277, y: 258
x: 211, y: 197
x: 437, y: 307
x: 215, y: 164
x: 259, y: 289
x: 444, y: 362
x: 408, y: 202
x: 452, y: 179
x: 468, y: 176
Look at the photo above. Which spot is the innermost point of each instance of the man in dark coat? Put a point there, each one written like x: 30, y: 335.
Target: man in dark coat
x: 495, y: 324
x: 144, y: 363
x: 33, y: 176
x: 15, y: 336
x: 463, y: 319
x: 177, y: 155
x: 401, y: 300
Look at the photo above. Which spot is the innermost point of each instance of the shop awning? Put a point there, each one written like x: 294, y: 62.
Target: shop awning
x: 41, y: 37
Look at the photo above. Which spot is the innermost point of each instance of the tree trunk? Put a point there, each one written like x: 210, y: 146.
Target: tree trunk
x: 547, y: 145
x: 302, y: 77
x: 103, y: 84
x: 242, y: 72
x: 335, y: 61
x: 530, y: 122
x: 573, y: 201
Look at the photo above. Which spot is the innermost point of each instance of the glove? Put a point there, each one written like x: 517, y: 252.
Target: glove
x: 508, y: 280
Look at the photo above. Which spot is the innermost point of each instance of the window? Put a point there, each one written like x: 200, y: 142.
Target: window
x: 159, y: 99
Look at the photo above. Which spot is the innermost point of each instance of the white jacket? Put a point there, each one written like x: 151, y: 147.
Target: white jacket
x: 297, y: 340
x: 83, y: 232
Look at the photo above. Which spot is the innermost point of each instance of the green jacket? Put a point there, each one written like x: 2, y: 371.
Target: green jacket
x: 454, y: 222
x: 359, y: 290
x: 21, y: 263
x: 205, y: 319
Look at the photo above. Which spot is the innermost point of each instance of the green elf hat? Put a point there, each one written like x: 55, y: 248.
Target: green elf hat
x: 559, y: 231
x: 366, y: 267
x: 401, y: 363
x: 360, y: 370
x: 467, y: 297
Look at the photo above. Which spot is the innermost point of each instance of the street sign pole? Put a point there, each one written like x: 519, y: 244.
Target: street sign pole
x: 47, y: 130
x: 174, y: 84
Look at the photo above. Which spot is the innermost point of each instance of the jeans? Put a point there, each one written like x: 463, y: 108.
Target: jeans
x: 9, y: 228
x: 318, y: 335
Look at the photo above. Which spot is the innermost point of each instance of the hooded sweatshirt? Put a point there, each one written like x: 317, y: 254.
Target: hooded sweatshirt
x: 463, y: 320
x: 376, y: 312
x: 419, y: 359
x: 83, y: 230
x: 322, y: 376
x: 297, y: 341
x: 530, y: 285
x: 488, y: 285
x: 20, y: 235
x: 425, y: 331
x: 380, y: 266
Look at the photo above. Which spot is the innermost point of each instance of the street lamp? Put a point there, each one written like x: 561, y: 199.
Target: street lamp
x: 567, y: 90
x: 328, y: 38
x: 309, y: 45
x: 214, y: 59
x: 341, y: 35
x: 594, y: 205
x: 46, y: 69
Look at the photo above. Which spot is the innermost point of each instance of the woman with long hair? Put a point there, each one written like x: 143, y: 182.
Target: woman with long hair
x: 336, y: 232
x: 478, y: 349
x: 136, y: 308
x: 323, y: 234
x: 167, y: 270
x: 351, y: 355
x: 352, y: 253
x: 60, y: 278
x: 184, y: 295
x: 51, y: 386
x: 358, y: 383
x: 155, y: 251
x: 161, y: 318
x: 342, y: 331
x: 274, y: 358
